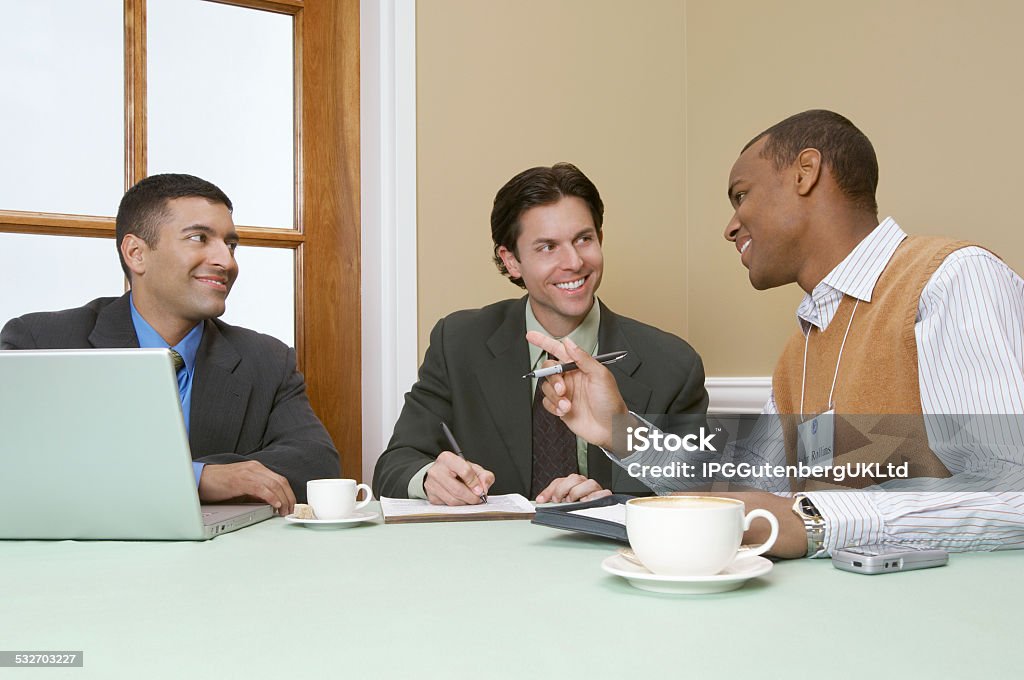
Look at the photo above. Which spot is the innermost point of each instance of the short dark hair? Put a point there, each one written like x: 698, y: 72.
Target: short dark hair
x: 845, y: 150
x: 145, y: 204
x: 531, y: 188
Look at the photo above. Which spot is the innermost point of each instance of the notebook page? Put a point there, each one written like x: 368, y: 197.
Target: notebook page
x: 611, y: 513
x: 508, y: 503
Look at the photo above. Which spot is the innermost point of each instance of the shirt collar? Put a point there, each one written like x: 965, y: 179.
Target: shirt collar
x: 855, y: 276
x: 148, y: 337
x: 585, y: 335
x: 859, y: 271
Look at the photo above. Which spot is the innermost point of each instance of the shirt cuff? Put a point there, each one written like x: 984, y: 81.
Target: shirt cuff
x: 197, y: 470
x: 851, y: 519
x: 415, y: 489
x: 633, y: 457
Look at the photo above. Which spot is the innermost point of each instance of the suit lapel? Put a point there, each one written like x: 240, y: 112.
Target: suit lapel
x: 636, y: 394
x: 114, y: 327
x: 219, y: 396
x: 506, y: 393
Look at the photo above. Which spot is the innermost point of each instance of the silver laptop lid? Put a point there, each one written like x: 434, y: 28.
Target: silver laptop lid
x: 93, y: 445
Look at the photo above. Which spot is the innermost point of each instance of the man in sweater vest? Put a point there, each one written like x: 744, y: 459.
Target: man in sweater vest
x: 890, y: 326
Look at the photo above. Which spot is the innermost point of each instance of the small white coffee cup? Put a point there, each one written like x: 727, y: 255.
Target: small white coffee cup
x: 335, y: 498
x: 691, y: 535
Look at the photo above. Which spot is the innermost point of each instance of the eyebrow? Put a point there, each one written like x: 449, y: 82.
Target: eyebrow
x: 583, y: 232
x: 232, y: 237
x: 732, y: 187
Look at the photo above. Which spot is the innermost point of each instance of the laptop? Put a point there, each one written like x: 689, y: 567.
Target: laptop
x: 93, y: 446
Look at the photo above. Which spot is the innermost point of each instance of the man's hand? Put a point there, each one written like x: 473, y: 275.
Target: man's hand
x: 587, y: 399
x: 249, y: 478
x: 792, y: 540
x: 572, y: 489
x: 452, y: 480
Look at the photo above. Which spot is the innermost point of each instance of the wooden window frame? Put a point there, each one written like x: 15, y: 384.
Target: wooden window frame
x: 326, y: 237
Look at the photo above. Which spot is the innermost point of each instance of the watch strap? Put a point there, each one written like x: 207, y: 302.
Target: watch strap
x: 814, y: 524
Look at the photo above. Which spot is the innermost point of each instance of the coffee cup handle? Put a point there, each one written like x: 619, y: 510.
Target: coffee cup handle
x: 764, y: 547
x: 369, y: 497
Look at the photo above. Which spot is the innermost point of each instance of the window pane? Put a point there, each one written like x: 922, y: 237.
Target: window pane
x: 62, y: 97
x: 46, y: 273
x: 263, y: 297
x: 221, y: 102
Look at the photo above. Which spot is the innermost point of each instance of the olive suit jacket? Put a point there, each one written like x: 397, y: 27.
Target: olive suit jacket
x: 472, y: 379
x: 248, y: 399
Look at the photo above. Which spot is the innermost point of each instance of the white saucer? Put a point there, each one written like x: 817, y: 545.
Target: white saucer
x: 730, y: 578
x: 355, y: 518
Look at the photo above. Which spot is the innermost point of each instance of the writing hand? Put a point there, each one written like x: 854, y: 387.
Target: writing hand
x: 453, y: 480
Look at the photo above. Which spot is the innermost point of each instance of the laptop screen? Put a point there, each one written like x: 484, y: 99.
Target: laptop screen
x: 94, y: 446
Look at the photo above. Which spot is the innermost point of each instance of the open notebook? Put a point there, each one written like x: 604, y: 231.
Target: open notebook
x: 403, y: 510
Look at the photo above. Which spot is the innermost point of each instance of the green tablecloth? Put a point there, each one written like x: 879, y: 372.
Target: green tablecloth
x: 484, y: 600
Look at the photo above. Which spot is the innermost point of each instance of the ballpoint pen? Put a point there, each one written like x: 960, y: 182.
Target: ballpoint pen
x: 458, y: 451
x: 605, y: 359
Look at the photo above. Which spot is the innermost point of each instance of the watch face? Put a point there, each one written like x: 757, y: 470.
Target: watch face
x: 808, y: 509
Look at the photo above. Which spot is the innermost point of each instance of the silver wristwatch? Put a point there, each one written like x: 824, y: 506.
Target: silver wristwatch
x: 814, y: 524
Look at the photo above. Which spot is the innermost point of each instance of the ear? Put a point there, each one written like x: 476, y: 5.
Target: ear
x: 808, y: 168
x: 510, y: 261
x: 134, y: 251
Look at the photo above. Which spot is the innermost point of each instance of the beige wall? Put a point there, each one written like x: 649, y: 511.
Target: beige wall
x: 654, y: 99
x: 510, y: 84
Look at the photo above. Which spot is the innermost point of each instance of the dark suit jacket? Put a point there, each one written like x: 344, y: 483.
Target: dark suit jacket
x: 248, y: 400
x: 471, y: 378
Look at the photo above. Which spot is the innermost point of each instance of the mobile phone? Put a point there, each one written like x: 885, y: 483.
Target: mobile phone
x: 885, y: 558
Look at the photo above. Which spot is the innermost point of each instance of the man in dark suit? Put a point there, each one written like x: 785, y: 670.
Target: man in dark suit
x: 251, y: 429
x: 546, y: 228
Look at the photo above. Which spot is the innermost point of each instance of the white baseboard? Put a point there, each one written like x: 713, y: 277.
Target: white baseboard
x: 738, y: 395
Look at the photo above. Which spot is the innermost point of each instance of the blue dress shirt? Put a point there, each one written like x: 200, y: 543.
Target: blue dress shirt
x: 187, y: 348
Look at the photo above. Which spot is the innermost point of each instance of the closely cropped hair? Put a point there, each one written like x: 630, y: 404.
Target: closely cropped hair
x: 145, y: 205
x: 844, y: 149
x: 538, y: 186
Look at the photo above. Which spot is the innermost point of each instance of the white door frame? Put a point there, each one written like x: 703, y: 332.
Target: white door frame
x: 388, y: 188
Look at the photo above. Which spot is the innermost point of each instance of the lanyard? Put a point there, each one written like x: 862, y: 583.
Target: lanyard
x: 803, y: 380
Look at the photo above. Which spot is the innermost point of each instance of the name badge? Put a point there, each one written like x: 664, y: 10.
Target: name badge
x: 816, y: 440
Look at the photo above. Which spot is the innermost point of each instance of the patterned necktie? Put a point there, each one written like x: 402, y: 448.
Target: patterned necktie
x: 181, y: 374
x: 179, y: 363
x: 554, y: 446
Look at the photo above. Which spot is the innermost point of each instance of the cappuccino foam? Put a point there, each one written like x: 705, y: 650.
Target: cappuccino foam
x: 687, y: 503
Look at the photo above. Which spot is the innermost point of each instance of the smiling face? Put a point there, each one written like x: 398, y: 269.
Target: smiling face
x: 767, y: 226
x: 560, y: 262
x: 185, y: 277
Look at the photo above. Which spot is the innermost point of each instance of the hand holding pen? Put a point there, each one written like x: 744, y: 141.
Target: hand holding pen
x: 587, y: 399
x: 558, y: 369
x: 453, y: 480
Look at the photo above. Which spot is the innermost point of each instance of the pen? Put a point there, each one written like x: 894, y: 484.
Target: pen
x: 458, y: 451
x: 606, y: 359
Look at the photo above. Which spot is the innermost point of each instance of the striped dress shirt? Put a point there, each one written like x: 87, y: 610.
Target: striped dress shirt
x: 970, y: 344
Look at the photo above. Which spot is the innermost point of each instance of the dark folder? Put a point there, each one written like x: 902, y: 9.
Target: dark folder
x: 561, y: 517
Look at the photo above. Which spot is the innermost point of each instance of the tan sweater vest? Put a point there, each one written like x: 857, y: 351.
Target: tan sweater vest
x: 877, y: 395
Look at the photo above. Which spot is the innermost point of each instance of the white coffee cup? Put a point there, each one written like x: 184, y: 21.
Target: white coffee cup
x: 335, y: 498
x: 691, y: 535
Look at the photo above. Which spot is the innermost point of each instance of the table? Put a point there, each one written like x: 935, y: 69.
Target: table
x: 483, y: 600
